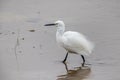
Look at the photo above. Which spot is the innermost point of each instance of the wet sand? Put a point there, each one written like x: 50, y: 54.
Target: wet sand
x: 28, y: 50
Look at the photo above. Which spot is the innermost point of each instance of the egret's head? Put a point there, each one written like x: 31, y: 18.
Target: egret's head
x: 56, y: 23
x: 59, y: 23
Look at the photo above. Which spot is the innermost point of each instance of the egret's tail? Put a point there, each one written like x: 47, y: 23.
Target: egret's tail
x: 89, y: 49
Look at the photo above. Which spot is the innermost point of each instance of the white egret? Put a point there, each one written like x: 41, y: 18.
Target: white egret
x: 72, y: 41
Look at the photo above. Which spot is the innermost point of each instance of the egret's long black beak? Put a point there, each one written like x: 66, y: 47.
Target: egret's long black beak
x: 53, y: 24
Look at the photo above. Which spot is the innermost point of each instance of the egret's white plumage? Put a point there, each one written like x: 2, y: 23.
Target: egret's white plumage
x: 72, y: 41
x: 76, y: 42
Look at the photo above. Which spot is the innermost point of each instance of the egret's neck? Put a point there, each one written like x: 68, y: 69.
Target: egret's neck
x: 60, y: 30
x: 59, y: 33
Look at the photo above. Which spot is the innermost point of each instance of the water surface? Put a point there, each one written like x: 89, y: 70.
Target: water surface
x: 28, y: 50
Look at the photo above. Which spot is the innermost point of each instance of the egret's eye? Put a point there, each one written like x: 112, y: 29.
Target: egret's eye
x: 56, y: 23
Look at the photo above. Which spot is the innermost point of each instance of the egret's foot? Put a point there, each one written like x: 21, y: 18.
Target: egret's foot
x: 83, y: 64
x: 63, y: 61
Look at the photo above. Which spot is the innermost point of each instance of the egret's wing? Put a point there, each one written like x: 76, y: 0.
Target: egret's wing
x: 76, y: 42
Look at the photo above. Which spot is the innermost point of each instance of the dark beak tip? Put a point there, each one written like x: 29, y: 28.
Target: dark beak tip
x: 49, y: 24
x: 45, y: 25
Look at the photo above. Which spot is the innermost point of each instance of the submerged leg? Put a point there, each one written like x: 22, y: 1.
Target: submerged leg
x: 65, y: 58
x: 83, y: 60
x: 66, y: 67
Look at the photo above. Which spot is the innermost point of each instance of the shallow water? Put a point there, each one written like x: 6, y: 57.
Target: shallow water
x: 28, y: 50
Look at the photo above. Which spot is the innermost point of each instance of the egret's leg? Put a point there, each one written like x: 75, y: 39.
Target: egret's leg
x: 83, y: 60
x: 66, y: 67
x: 65, y: 58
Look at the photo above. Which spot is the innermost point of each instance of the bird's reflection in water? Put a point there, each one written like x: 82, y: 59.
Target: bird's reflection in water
x: 80, y: 73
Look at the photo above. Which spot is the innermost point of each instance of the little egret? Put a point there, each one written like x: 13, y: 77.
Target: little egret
x: 72, y: 41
